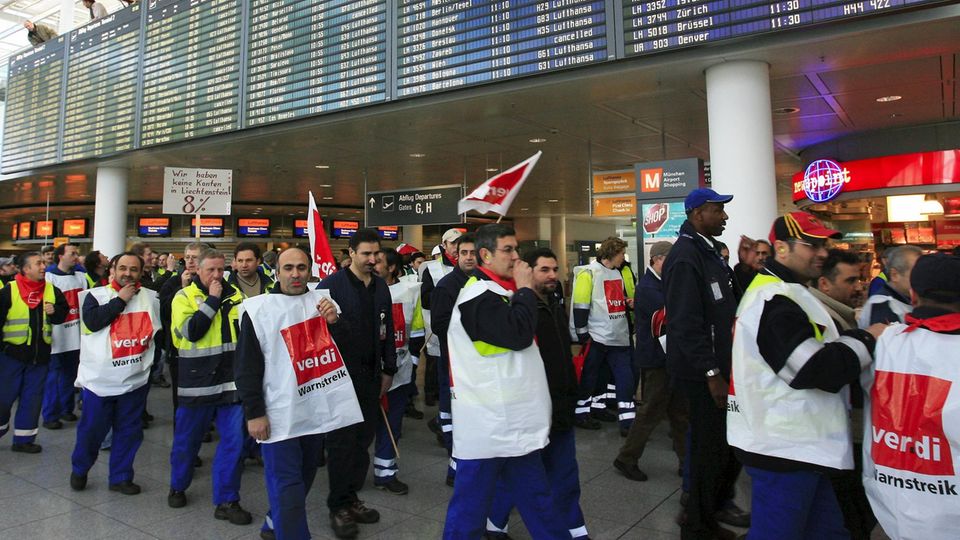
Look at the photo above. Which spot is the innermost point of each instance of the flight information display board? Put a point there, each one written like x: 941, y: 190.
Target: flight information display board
x: 102, y: 86
x: 652, y: 26
x: 191, y: 69
x: 32, y: 126
x: 307, y: 58
x: 445, y: 45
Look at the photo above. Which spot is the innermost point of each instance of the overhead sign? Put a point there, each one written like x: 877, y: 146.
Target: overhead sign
x: 389, y: 232
x: 253, y: 227
x: 74, y: 228
x: 823, y: 179
x: 672, y: 179
x: 615, y: 181
x: 197, y: 191
x: 26, y: 230
x: 208, y: 226
x: 300, y: 228
x: 615, y: 206
x: 157, y: 226
x: 904, y: 170
x: 45, y: 228
x: 343, y: 228
x: 433, y: 205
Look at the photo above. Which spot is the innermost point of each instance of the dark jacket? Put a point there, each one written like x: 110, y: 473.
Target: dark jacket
x: 783, y: 330
x: 489, y: 319
x: 249, y: 367
x: 881, y: 313
x: 365, y: 354
x: 442, y: 299
x: 37, y: 352
x: 647, y: 300
x: 41, y: 33
x: 426, y: 289
x: 165, y: 295
x: 744, y: 273
x: 265, y: 282
x: 701, y: 301
x: 553, y: 338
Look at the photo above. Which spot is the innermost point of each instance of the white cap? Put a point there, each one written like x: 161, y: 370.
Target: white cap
x: 451, y: 235
x: 435, y: 252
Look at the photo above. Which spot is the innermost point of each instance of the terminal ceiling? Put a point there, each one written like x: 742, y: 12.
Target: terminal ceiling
x: 603, y: 117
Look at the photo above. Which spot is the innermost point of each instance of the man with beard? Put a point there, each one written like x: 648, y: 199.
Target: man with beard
x: 443, y: 298
x: 788, y: 420
x: 29, y: 307
x: 292, y: 440
x: 115, y: 379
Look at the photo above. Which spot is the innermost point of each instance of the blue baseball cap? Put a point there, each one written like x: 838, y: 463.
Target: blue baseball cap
x: 698, y: 197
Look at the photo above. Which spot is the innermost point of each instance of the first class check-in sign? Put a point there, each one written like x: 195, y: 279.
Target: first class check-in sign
x: 197, y: 191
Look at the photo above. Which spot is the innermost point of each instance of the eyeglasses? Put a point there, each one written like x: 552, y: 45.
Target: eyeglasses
x: 816, y: 247
x: 509, y: 250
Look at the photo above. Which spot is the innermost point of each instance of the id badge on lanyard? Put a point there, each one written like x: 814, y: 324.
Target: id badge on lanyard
x: 383, y: 326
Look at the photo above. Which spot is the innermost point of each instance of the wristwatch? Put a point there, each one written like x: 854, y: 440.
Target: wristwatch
x: 713, y: 372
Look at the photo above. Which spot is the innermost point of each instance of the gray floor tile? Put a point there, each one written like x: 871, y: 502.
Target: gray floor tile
x: 32, y: 507
x: 80, y: 524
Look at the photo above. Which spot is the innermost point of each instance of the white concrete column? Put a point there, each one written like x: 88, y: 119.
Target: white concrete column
x: 413, y: 235
x: 110, y: 211
x: 66, y: 16
x: 741, y: 146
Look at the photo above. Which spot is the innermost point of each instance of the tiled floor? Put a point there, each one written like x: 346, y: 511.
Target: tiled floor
x: 36, y: 501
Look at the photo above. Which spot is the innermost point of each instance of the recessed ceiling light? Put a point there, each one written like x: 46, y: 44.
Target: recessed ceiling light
x: 326, y: 185
x: 886, y: 99
x: 524, y: 209
x: 492, y: 169
x: 538, y: 140
x: 553, y: 200
x: 417, y: 155
x: 328, y: 198
x: 322, y: 166
x: 786, y: 110
x: 895, y: 115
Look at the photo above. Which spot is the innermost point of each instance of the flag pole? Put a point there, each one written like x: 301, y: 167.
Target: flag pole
x: 393, y: 441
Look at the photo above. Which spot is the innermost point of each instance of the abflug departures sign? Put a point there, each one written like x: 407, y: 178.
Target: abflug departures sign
x: 435, y: 205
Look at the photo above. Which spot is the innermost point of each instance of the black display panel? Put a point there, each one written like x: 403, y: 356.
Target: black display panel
x: 191, y: 69
x: 653, y: 26
x: 447, y: 45
x: 102, y: 86
x: 307, y: 57
x: 32, y: 126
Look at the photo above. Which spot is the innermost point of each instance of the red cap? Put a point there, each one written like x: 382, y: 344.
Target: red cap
x: 406, y: 249
x: 802, y: 226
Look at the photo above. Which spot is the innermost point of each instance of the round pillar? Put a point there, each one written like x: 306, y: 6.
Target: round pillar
x: 110, y: 211
x: 741, y: 146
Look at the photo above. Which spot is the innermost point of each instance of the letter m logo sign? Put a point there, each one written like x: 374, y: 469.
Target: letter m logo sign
x: 650, y: 180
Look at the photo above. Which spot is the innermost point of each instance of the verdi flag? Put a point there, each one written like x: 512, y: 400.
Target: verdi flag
x: 498, y: 192
x: 323, y: 261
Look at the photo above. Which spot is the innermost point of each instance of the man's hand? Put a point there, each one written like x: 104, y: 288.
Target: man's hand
x: 630, y: 303
x: 327, y: 310
x: 522, y: 275
x: 48, y: 308
x: 127, y: 292
x: 185, y: 278
x: 259, y: 428
x: 718, y: 390
x: 385, y: 382
x: 171, y: 263
x: 216, y: 288
x: 876, y: 329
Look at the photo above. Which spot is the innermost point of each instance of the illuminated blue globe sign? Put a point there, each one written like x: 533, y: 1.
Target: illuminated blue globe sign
x: 823, y: 180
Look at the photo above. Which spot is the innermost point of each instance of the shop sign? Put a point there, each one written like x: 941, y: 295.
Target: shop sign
x: 672, y: 179
x: 823, y: 179
x: 904, y: 170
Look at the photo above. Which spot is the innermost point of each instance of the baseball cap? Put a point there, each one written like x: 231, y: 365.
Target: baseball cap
x: 435, y: 252
x: 697, y: 197
x: 660, y: 248
x: 406, y: 249
x: 6, y: 260
x: 451, y: 235
x: 800, y: 226
x: 937, y: 277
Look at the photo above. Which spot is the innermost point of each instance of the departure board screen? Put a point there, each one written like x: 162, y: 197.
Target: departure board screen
x: 653, y: 26
x: 102, y: 86
x: 445, y: 45
x: 191, y: 69
x: 308, y: 57
x: 32, y: 127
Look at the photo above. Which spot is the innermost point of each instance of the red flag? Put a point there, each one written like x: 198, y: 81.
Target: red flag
x: 498, y: 192
x: 323, y: 262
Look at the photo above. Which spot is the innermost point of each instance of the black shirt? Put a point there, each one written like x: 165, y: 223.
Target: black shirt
x: 367, y: 319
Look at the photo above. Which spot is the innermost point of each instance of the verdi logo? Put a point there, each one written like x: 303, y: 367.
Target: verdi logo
x: 312, y: 351
x: 907, y: 418
x: 130, y: 334
x: 613, y: 290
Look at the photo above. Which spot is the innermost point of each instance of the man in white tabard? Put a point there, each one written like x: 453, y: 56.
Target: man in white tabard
x: 58, y: 402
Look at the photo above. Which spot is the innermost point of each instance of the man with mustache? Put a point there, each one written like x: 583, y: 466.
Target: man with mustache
x: 364, y: 334
x: 787, y: 417
x: 118, y: 325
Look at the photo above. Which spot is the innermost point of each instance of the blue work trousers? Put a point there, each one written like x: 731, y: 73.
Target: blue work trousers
x: 289, y: 468
x: 23, y: 382
x: 58, y: 394
x: 560, y: 463
x: 384, y: 457
x: 192, y: 421
x: 618, y: 359
x: 100, y: 415
x: 523, y: 479
x: 797, y: 505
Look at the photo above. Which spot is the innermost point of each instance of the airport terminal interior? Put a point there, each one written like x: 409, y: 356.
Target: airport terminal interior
x: 847, y: 109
